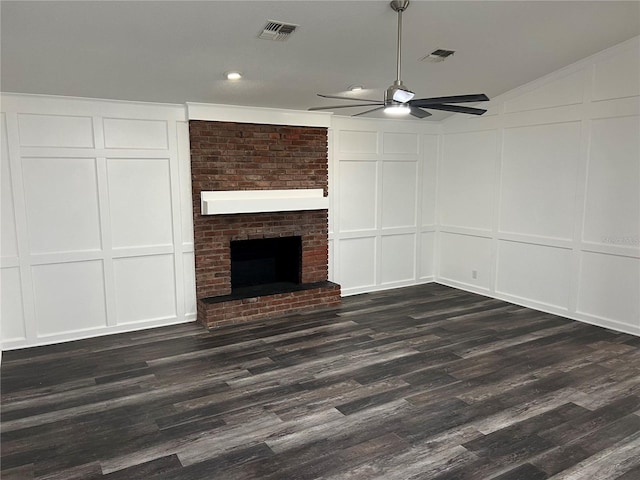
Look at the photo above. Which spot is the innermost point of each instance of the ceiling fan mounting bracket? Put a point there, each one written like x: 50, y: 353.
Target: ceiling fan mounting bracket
x: 399, y: 5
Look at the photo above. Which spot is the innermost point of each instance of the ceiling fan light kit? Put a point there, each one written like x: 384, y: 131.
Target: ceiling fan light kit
x: 398, y: 99
x: 397, y: 109
x: 233, y: 75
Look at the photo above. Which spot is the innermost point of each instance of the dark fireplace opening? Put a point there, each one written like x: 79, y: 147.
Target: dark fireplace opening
x: 265, y: 264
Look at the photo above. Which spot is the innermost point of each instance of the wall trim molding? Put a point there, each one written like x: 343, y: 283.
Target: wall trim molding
x: 541, y: 307
x: 387, y: 286
x: 98, y: 332
x: 26, y: 103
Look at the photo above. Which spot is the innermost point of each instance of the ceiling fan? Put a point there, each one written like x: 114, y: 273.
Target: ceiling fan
x: 398, y: 99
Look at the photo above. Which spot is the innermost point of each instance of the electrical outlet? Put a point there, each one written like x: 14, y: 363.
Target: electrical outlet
x: 474, y: 274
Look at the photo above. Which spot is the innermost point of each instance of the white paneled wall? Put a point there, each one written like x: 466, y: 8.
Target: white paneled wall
x: 539, y: 201
x: 383, y: 189
x: 96, y: 218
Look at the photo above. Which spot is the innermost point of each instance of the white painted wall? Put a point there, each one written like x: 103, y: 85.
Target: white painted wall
x: 96, y: 218
x: 383, y: 189
x: 541, y: 196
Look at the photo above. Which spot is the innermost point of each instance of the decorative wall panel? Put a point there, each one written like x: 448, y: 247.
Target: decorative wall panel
x: 539, y: 171
x: 139, y: 204
x: 399, y: 182
x: 565, y: 90
x: 398, y: 144
x: 72, y: 305
x: 358, y: 265
x: 61, y: 197
x: 189, y: 283
x: 467, y: 179
x: 55, y: 131
x: 617, y: 75
x: 534, y: 272
x: 8, y: 239
x: 608, y: 290
x: 133, y: 134
x: 397, y: 260
x: 358, y: 142
x: 429, y: 180
x: 11, y: 312
x: 358, y: 195
x: 427, y: 255
x: 143, y: 289
x: 612, y: 212
x: 463, y: 257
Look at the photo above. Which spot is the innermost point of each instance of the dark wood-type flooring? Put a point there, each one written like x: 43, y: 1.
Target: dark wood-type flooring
x: 424, y: 382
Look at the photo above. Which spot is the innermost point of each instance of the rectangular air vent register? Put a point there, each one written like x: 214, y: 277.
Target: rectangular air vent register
x: 275, y: 30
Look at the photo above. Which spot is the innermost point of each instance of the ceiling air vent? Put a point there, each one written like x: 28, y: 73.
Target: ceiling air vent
x: 439, y: 55
x: 274, y: 30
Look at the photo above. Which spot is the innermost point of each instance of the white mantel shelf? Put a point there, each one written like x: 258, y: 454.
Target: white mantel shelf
x: 261, y: 201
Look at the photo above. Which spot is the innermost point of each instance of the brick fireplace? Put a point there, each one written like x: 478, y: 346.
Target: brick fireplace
x: 229, y: 156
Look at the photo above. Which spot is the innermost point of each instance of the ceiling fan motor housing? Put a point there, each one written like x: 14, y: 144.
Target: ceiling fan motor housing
x: 397, y: 93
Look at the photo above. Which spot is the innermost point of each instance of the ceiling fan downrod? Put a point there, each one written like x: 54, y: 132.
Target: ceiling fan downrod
x: 399, y: 6
x: 398, y: 92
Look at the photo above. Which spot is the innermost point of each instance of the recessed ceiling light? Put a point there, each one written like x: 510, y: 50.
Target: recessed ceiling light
x: 355, y: 88
x: 233, y: 75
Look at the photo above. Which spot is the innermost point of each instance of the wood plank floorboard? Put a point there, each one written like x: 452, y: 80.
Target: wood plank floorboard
x: 424, y: 382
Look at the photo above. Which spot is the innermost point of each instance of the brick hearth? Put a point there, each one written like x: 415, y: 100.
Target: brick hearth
x: 234, y: 156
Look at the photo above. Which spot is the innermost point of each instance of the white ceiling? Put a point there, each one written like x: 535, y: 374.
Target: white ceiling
x: 177, y: 51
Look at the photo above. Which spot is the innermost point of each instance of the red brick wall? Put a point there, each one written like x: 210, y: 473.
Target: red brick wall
x: 240, y: 156
x: 245, y: 156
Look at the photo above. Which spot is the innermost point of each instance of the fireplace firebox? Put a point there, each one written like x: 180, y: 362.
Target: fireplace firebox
x: 266, y: 263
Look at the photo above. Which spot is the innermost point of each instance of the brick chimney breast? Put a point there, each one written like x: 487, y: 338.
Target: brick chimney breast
x: 242, y: 156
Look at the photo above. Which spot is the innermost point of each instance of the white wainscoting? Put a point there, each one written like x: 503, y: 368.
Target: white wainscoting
x: 542, y: 199
x: 383, y: 195
x: 97, y: 232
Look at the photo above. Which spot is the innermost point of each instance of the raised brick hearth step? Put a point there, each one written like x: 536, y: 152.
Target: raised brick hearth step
x: 228, y: 309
